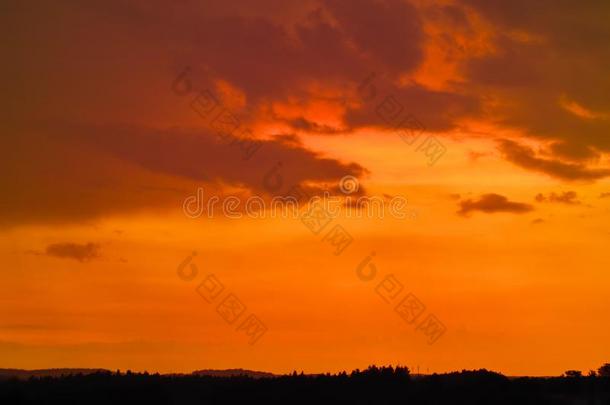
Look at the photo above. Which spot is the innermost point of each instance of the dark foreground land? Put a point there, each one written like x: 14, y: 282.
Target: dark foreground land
x: 372, y: 386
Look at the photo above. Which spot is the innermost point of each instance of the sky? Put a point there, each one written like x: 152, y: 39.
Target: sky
x: 125, y: 120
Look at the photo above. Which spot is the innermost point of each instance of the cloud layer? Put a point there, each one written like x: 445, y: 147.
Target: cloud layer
x: 92, y: 112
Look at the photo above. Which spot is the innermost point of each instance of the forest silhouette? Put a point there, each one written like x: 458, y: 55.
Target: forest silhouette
x: 375, y: 385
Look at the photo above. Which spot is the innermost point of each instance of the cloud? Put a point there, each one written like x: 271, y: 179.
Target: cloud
x: 68, y: 250
x: 313, y: 127
x: 389, y: 32
x: 567, y: 197
x: 548, y: 82
x: 297, y: 51
x: 382, y: 104
x: 492, y: 203
x: 128, y: 168
x: 526, y: 157
x: 136, y: 140
x: 604, y: 195
x: 574, y: 151
x: 537, y: 221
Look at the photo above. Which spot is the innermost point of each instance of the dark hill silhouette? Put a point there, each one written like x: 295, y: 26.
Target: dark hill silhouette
x: 6, y: 373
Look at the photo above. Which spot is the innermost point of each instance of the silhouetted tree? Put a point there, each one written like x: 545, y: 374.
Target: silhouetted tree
x: 604, y: 371
x: 573, y: 373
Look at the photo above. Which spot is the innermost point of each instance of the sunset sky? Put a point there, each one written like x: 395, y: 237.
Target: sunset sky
x: 116, y: 112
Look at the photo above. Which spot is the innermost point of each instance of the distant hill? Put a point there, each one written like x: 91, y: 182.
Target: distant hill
x: 234, y: 372
x: 6, y: 373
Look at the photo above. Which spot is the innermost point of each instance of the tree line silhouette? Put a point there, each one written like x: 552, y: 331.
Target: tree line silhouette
x: 375, y: 385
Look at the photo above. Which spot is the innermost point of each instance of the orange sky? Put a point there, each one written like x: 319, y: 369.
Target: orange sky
x: 506, y: 236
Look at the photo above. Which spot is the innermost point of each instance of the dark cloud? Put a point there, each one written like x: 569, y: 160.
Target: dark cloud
x: 314, y: 127
x: 68, y: 250
x: 82, y: 172
x: 492, y: 203
x: 574, y: 151
x: 527, y: 158
x: 547, y: 66
x: 436, y: 110
x: 386, y: 31
x: 271, y: 54
x: 289, y: 139
x: 538, y: 221
x: 567, y: 197
x: 503, y: 69
x: 203, y: 156
x: 275, y: 51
